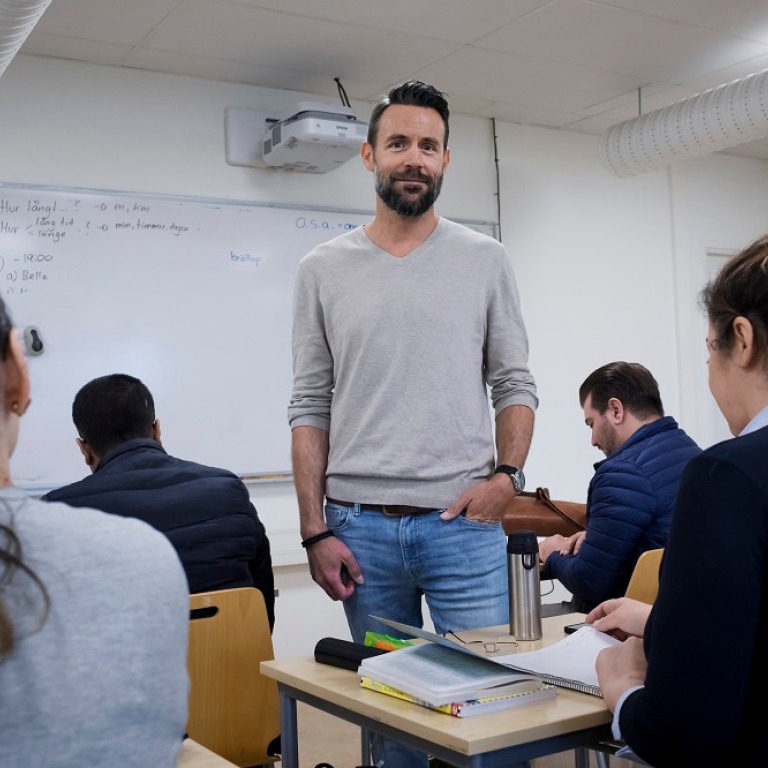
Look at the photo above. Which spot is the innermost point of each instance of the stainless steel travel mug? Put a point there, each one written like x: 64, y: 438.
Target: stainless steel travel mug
x: 524, y: 585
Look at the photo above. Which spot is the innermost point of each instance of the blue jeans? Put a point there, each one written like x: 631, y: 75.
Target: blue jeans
x: 459, y: 566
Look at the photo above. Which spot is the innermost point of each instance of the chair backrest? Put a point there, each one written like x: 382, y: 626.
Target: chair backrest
x: 233, y: 709
x: 644, y: 584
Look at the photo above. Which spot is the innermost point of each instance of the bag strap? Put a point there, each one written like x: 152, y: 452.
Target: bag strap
x: 542, y: 494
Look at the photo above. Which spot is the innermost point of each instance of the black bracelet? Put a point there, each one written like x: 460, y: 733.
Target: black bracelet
x: 317, y: 537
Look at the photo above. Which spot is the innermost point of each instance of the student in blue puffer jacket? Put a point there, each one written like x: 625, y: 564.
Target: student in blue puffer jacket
x: 632, y: 494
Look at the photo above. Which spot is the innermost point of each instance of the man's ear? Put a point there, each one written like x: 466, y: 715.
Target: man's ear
x: 91, y: 459
x: 17, y: 386
x: 615, y: 410
x: 156, y: 432
x: 366, y: 152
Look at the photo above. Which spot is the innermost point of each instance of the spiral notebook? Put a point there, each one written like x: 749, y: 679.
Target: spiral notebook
x: 569, y: 663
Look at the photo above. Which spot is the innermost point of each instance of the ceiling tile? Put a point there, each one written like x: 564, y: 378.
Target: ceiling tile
x: 596, y: 124
x: 224, y: 30
x: 242, y: 72
x: 757, y: 149
x: 467, y: 105
x: 745, y: 18
x: 523, y: 80
x: 513, y: 113
x: 588, y: 34
x: 110, y: 21
x: 453, y: 20
x: 61, y: 47
x: 729, y: 74
x: 619, y: 110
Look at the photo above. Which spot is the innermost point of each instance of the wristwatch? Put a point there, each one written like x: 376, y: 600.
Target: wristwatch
x: 515, y: 475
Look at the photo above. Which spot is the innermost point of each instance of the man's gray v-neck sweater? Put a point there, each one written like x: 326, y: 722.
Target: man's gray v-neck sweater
x: 392, y: 356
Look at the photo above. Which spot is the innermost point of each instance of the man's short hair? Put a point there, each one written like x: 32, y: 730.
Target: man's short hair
x: 631, y: 383
x: 112, y: 409
x: 414, y: 93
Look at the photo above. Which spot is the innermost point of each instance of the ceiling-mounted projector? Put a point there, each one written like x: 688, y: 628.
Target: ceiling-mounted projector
x: 313, y: 137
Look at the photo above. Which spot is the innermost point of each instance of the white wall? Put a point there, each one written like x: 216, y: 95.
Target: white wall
x: 720, y: 206
x: 592, y: 254
x: 607, y: 268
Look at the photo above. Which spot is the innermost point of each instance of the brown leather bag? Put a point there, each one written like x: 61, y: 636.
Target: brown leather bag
x: 535, y: 511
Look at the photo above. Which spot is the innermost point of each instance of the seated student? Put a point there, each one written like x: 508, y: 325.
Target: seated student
x: 692, y: 691
x: 205, y: 512
x: 94, y: 613
x: 632, y: 494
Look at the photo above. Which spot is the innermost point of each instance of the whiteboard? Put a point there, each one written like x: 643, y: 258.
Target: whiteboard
x: 192, y: 296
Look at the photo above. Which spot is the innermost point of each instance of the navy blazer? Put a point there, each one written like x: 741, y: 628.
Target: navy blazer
x: 704, y: 698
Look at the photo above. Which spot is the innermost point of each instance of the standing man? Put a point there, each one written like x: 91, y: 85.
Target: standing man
x: 398, y: 327
x: 632, y: 495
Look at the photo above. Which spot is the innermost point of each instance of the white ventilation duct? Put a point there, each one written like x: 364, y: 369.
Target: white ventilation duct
x: 17, y: 19
x: 724, y: 117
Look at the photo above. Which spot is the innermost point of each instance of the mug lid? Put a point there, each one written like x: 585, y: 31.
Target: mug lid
x: 522, y: 543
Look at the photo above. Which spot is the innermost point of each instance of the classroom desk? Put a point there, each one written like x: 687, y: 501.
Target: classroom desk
x: 569, y: 721
x: 194, y: 755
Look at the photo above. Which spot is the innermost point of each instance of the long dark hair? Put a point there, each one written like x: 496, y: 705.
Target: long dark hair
x: 10, y: 546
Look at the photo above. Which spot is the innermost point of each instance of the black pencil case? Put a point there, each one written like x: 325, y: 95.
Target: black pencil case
x: 344, y: 653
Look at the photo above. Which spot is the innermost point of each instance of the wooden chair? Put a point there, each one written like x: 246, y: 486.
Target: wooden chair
x: 644, y: 583
x: 233, y: 709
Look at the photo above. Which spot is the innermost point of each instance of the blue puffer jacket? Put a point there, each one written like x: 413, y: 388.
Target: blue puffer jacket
x: 629, y: 510
x: 205, y: 512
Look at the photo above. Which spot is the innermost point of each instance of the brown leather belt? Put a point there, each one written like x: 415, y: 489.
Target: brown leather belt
x: 390, y: 510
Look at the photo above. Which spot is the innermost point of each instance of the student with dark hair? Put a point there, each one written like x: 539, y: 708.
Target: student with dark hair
x: 398, y: 327
x: 93, y: 622
x: 632, y: 494
x: 683, y: 690
x: 205, y: 512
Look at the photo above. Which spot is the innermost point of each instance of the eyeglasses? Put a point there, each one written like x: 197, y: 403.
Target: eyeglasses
x: 489, y: 646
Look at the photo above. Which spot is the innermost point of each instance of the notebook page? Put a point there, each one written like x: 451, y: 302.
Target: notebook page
x: 572, y: 658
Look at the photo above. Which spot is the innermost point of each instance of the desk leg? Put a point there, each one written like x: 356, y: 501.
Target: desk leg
x: 289, y: 731
x: 365, y: 746
x: 582, y: 757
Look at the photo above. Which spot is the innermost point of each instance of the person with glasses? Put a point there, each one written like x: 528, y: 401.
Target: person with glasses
x: 687, y: 685
x: 94, y: 613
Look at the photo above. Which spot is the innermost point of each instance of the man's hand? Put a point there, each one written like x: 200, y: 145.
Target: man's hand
x: 620, y: 617
x: 334, y: 568
x: 549, y: 545
x: 572, y: 544
x: 486, y: 501
x: 564, y: 545
x: 620, y: 668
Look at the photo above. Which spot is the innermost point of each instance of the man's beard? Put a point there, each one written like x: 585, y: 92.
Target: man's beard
x: 410, y: 207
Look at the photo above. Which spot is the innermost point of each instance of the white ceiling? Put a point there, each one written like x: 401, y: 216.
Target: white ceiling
x: 575, y: 64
